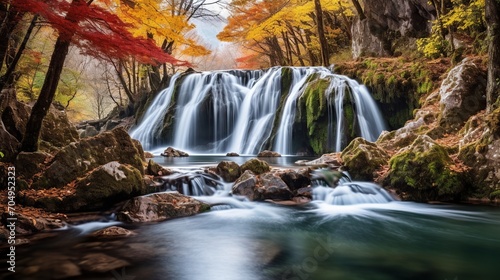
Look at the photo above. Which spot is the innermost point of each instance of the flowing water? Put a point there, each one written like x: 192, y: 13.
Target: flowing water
x: 239, y: 111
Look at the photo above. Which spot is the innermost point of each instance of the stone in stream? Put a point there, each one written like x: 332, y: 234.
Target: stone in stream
x: 261, y: 187
x: 99, y: 262
x: 171, y: 152
x: 267, y: 153
x: 112, y: 232
x: 232, y: 154
x: 229, y: 170
x: 257, y: 166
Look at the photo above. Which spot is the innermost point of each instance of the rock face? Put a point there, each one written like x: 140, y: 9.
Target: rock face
x: 257, y: 166
x: 362, y: 158
x: 423, y: 173
x: 229, y: 170
x: 390, y: 21
x: 462, y: 94
x: 57, y: 130
x: 160, y: 206
x: 76, y: 159
x: 261, y: 187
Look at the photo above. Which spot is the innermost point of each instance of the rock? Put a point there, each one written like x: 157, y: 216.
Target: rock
x: 14, y: 114
x: 89, y: 131
x: 257, y: 166
x: 57, y: 130
x: 171, y: 152
x: 267, y: 153
x: 29, y: 164
x: 106, y: 186
x: 99, y: 262
x: 76, y: 159
x: 462, y: 94
x: 389, y: 22
x: 229, y: 170
x: 363, y: 158
x: 160, y: 206
x: 325, y: 160
x: 51, y: 266
x: 330, y: 176
x: 245, y: 185
x: 148, y: 155
x: 305, y: 192
x: 423, y: 172
x: 27, y: 225
x: 112, y: 232
x: 265, y: 186
x: 296, y: 180
x: 232, y: 155
x: 157, y: 170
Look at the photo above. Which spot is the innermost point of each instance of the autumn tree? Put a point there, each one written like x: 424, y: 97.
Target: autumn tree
x: 95, y: 31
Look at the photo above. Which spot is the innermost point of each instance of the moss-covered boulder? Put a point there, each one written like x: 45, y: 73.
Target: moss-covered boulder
x: 76, y: 159
x: 363, y: 158
x: 424, y: 172
x: 160, y: 206
x: 462, y: 94
x: 229, y: 170
x: 57, y: 130
x: 30, y: 163
x: 257, y: 166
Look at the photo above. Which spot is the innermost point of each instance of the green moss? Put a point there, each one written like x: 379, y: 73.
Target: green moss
x: 363, y: 158
x: 257, y: 166
x: 495, y: 194
x: 424, y: 174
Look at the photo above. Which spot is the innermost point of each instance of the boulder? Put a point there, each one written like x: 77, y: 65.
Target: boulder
x: 261, y: 187
x: 257, y: 166
x: 99, y: 262
x: 267, y: 153
x: 424, y: 172
x: 296, y: 179
x: 89, y: 131
x: 8, y: 145
x: 160, y: 206
x: 462, y: 94
x: 106, y: 186
x: 157, y: 170
x: 14, y: 114
x: 229, y: 170
x: 171, y: 152
x: 363, y: 158
x: 232, y: 155
x: 148, y: 155
x: 76, y: 159
x: 112, y: 232
x: 57, y: 130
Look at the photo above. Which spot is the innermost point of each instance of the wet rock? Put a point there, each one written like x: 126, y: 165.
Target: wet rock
x: 245, y: 185
x: 332, y: 160
x: 295, y: 179
x: 99, y: 262
x: 423, y: 172
x: 229, y: 170
x: 267, y: 153
x: 257, y: 166
x: 51, y: 266
x: 363, y: 158
x: 26, y: 224
x: 171, y: 152
x: 305, y: 192
x: 160, y: 206
x: 112, y: 232
x: 462, y: 94
x: 232, y: 155
x: 77, y: 159
x: 148, y: 155
x: 261, y: 187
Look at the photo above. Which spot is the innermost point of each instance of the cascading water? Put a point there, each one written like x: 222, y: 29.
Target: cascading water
x: 248, y: 111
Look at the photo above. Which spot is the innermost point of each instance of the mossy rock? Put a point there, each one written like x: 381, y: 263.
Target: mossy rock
x: 363, y: 159
x: 423, y: 173
x: 257, y: 166
x: 229, y: 170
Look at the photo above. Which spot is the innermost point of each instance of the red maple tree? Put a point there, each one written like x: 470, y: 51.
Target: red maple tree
x: 96, y: 31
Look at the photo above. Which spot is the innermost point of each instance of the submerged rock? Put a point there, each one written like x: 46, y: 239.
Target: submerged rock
x: 257, y: 166
x: 99, y: 262
x: 363, y: 158
x: 112, y: 232
x: 160, y: 206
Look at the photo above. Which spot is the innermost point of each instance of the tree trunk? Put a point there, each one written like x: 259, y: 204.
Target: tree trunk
x: 493, y: 22
x: 321, y: 34
x: 359, y: 10
x: 42, y: 105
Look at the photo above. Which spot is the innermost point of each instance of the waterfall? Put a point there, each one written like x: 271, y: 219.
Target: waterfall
x: 246, y: 111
